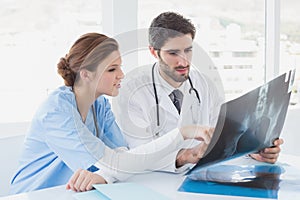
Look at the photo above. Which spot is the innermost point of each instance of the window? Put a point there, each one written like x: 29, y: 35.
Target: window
x: 215, y: 54
x: 243, y: 54
x: 232, y: 32
x: 290, y: 42
x: 34, y: 35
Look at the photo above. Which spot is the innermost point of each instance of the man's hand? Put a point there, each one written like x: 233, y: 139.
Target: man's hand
x: 83, y: 180
x: 270, y: 154
x: 191, y: 155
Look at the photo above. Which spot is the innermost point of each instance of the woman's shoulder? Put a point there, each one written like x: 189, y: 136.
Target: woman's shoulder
x: 61, y: 101
x: 61, y: 98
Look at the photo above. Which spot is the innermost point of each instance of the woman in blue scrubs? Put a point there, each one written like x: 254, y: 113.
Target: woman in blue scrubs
x: 76, y: 129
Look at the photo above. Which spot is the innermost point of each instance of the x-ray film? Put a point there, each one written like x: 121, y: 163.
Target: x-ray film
x: 250, y: 122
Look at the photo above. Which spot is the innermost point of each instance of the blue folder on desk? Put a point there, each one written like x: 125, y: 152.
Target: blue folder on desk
x: 120, y: 191
x: 280, y: 181
x: 248, y: 180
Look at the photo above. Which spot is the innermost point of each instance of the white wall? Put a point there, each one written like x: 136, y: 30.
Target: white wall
x: 11, y: 141
x: 290, y: 132
x: 10, y: 149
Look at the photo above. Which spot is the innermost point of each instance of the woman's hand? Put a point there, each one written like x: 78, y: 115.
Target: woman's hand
x: 191, y: 155
x: 202, y: 133
x: 83, y: 180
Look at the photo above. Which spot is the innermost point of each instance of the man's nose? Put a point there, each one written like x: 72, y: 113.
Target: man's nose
x: 182, y: 60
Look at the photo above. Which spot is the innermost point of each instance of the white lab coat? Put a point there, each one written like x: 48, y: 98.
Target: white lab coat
x: 135, y: 107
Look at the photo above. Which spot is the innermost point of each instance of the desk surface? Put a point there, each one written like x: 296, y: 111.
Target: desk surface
x: 164, y: 183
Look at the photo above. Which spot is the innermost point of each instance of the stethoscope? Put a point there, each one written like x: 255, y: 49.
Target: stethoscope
x: 156, y: 97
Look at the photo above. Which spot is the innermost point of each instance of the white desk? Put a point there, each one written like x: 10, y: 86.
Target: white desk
x: 164, y: 183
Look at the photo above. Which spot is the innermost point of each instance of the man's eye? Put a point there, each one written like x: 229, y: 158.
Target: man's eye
x: 173, y: 53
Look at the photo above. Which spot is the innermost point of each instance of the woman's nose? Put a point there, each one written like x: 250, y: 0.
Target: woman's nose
x: 121, y: 75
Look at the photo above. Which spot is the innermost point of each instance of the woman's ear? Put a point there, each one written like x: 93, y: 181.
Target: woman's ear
x: 85, y: 75
x: 153, y: 51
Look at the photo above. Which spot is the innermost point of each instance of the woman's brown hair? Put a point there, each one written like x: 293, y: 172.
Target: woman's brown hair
x: 87, y: 52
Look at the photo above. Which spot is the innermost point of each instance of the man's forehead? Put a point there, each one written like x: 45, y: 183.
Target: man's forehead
x: 180, y: 42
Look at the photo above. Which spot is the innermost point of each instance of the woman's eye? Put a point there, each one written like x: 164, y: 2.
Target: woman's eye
x: 111, y: 70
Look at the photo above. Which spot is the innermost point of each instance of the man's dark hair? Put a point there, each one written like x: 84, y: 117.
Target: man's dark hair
x: 169, y: 25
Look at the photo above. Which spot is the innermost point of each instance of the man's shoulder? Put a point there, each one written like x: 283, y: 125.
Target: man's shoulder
x: 195, y: 74
x: 209, y: 77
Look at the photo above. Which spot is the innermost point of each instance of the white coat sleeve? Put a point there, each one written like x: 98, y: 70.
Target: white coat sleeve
x: 119, y: 165
x: 135, y: 109
x: 137, y: 124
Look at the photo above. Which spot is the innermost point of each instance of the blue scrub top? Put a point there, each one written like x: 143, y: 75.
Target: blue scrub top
x: 59, y: 142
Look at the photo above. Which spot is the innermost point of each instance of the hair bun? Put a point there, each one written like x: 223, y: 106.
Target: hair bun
x: 63, y: 64
x: 63, y: 68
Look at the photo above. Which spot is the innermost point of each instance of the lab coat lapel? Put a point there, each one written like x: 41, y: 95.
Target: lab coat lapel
x: 166, y: 104
x: 164, y: 99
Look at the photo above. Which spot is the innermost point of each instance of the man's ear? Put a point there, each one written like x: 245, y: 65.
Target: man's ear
x: 153, y: 51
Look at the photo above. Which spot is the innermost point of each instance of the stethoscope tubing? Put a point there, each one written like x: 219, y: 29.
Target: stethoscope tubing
x: 156, y: 97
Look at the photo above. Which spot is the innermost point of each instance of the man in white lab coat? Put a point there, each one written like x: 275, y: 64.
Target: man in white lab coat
x: 145, y: 108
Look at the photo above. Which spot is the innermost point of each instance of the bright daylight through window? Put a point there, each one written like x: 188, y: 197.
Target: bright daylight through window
x: 35, y: 34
